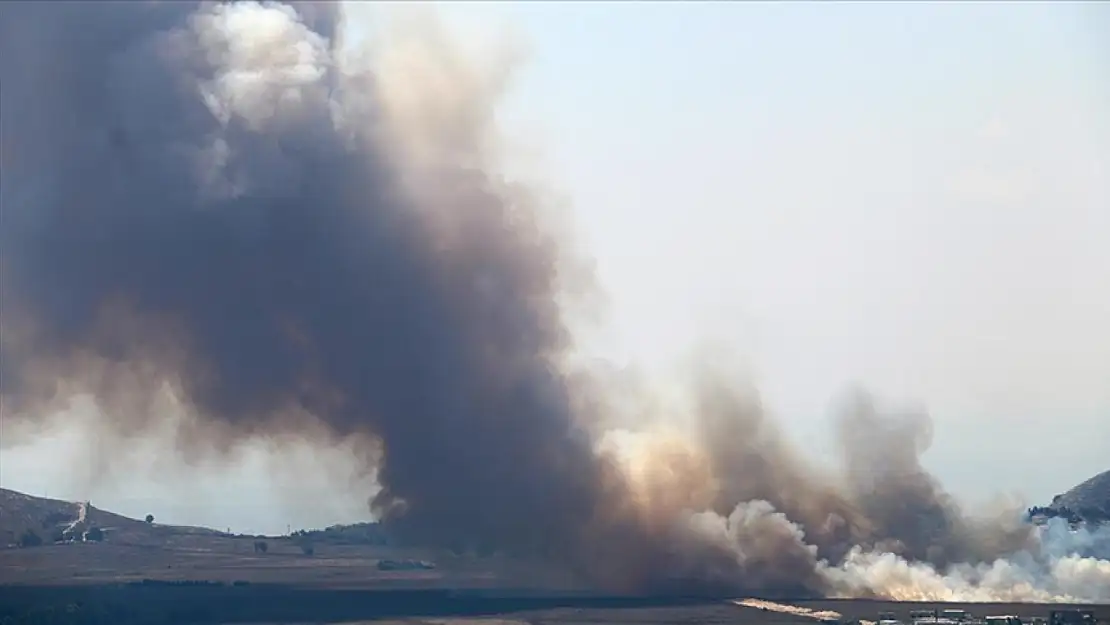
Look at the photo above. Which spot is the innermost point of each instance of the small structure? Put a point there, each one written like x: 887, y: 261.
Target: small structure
x: 1071, y: 617
x: 405, y: 565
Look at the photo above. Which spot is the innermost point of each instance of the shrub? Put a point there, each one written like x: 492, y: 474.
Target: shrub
x: 30, y: 539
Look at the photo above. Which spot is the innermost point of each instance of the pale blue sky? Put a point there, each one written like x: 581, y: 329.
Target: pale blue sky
x: 911, y: 196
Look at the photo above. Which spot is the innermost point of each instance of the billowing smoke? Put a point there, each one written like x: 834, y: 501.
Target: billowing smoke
x: 211, y: 202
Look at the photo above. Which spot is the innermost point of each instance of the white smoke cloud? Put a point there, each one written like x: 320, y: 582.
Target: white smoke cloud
x: 1066, y: 567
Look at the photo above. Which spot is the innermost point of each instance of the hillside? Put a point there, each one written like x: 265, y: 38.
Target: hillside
x: 133, y: 551
x: 1090, y: 499
x: 50, y: 518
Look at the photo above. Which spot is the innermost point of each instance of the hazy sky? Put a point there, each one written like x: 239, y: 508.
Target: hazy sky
x: 914, y: 197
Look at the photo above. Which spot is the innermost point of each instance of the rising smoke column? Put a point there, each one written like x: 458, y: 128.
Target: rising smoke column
x: 208, y: 198
x: 199, y: 195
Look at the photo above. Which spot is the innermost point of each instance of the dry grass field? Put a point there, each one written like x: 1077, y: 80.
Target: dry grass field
x: 149, y: 574
x: 211, y: 558
x: 280, y: 605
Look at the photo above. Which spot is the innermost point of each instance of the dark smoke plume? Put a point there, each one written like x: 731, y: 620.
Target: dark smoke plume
x: 206, y: 199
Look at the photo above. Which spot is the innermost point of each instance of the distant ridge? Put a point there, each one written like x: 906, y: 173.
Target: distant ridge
x: 48, y: 518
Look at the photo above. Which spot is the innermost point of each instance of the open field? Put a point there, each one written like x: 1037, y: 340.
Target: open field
x: 279, y: 605
x: 150, y: 574
x: 206, y: 579
x: 209, y: 580
x: 229, y: 560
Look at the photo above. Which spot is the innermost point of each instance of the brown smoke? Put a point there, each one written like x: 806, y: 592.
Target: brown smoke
x: 205, y: 198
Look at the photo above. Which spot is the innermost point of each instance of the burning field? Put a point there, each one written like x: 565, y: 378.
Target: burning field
x: 218, y: 225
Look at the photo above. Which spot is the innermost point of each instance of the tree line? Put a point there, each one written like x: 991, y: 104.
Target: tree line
x: 1084, y: 514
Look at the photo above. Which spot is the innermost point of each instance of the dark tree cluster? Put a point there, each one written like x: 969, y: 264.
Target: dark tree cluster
x: 1086, y: 514
x: 30, y: 538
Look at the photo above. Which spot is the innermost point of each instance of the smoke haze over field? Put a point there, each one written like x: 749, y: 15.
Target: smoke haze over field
x: 207, y: 206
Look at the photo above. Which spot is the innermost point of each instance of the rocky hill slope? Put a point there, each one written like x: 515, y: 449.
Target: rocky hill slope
x: 1088, y: 501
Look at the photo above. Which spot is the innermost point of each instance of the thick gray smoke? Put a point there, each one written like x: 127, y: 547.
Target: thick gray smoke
x: 210, y: 200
